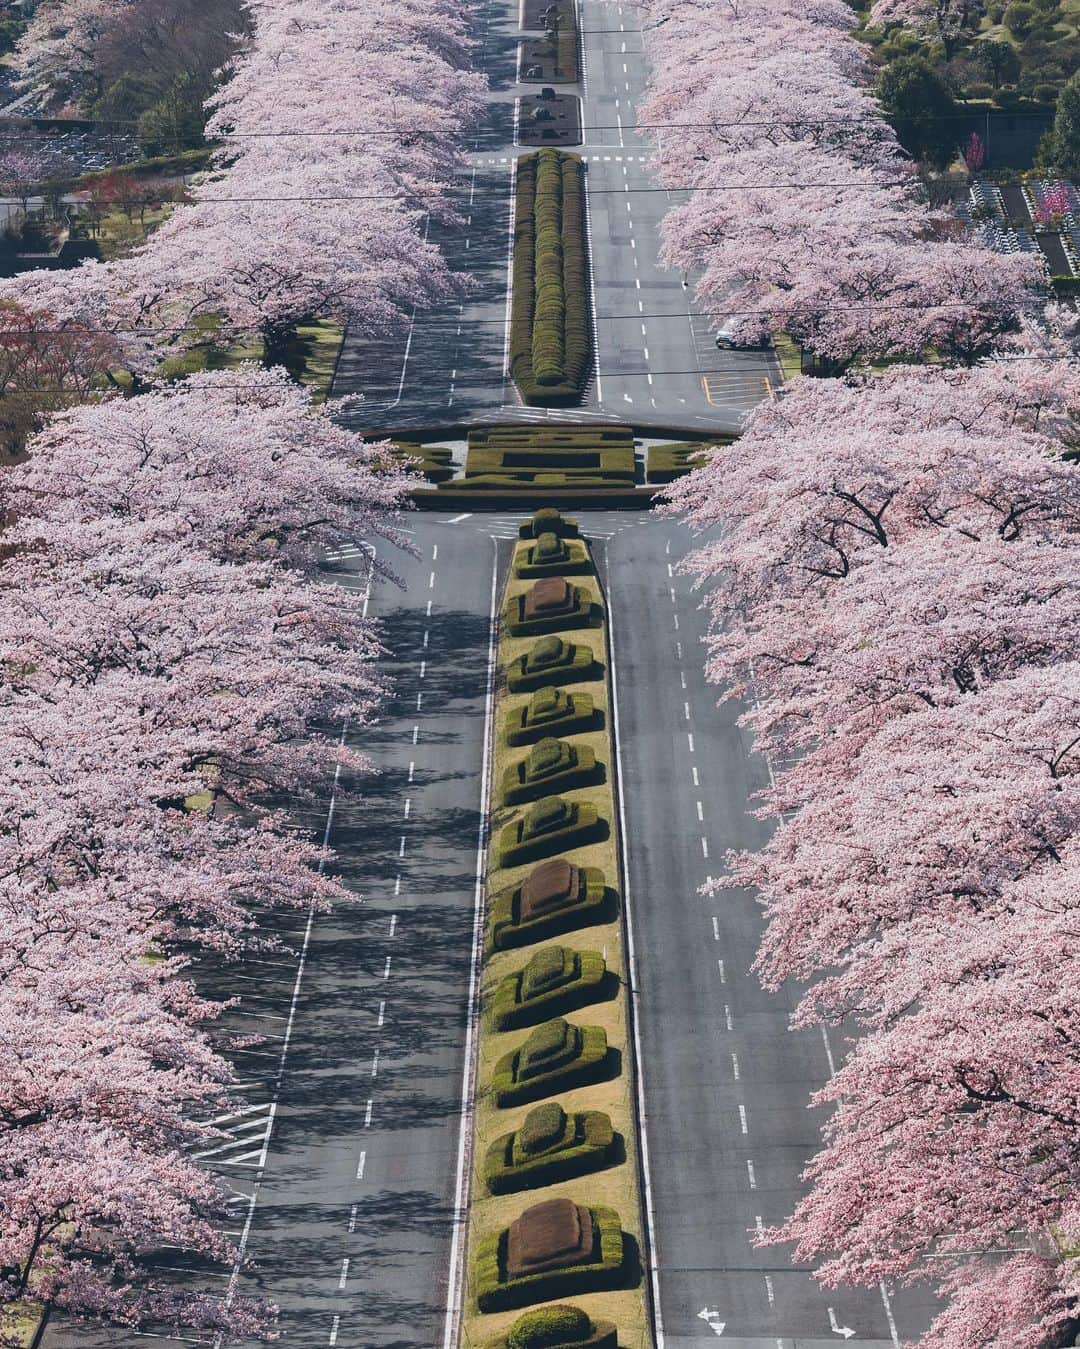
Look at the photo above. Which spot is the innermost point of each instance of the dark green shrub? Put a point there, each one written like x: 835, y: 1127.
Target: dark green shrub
x: 548, y: 521
x: 601, y: 1267
x: 557, y: 1148
x: 573, y: 979
x: 547, y: 827
x: 550, y: 766
x: 1020, y: 18
x: 556, y: 898
x: 556, y: 1056
x: 546, y: 1321
x: 551, y: 661
x: 550, y: 712
x: 562, y: 557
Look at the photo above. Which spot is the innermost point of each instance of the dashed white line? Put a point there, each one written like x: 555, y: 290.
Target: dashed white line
x: 431, y: 581
x: 344, y: 1274
x: 423, y: 669
x: 352, y: 1218
x: 694, y: 774
x: 367, y: 1114
x: 401, y: 847
x: 720, y: 967
x: 375, y: 1063
x: 363, y: 1160
x: 393, y: 924
x: 412, y: 770
x: 434, y: 552
x: 690, y: 740
x: 769, y: 1290
x: 382, y: 1012
x: 828, y: 1051
x: 386, y: 968
x: 334, y: 1329
x: 735, y: 1064
x: 728, y: 1018
x: 700, y: 811
x: 415, y: 734
x: 716, y: 937
x: 428, y: 612
x: 427, y: 635
x: 742, y: 1119
x: 397, y: 884
x: 704, y: 846
x: 686, y: 710
x: 419, y: 701
x: 751, y: 1174
x: 408, y: 806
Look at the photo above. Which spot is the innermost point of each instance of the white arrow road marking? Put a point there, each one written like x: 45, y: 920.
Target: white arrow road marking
x: 711, y: 1317
x: 837, y: 1329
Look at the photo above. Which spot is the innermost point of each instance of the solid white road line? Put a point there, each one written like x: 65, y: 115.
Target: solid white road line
x: 455, y: 1282
x: 360, y: 1166
x: 650, y: 1222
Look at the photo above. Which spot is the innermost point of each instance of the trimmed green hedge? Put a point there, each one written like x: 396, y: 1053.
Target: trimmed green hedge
x: 550, y: 766
x: 551, y: 661
x: 596, y: 460
x: 495, y: 1293
x: 550, y: 331
x: 528, y: 480
x: 573, y: 978
x: 556, y: 1056
x: 665, y: 463
x: 549, y: 1327
x: 591, y: 904
x: 548, y: 827
x: 550, y: 712
x: 552, y: 437
x: 559, y: 557
x: 548, y: 520
x: 586, y: 1142
x: 579, y: 616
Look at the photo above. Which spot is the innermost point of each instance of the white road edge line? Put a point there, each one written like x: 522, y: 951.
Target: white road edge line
x: 592, y: 290
x: 631, y: 960
x: 455, y: 1287
x: 509, y: 287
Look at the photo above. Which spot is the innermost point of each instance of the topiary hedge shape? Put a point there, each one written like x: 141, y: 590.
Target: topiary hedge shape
x: 551, y: 661
x: 550, y: 766
x: 552, y: 556
x: 556, y: 979
x: 556, y: 1056
x: 550, y: 1146
x: 550, y: 712
x: 558, y: 1327
x: 555, y: 897
x: 548, y: 520
x: 553, y: 1249
x: 550, y: 605
x: 549, y: 826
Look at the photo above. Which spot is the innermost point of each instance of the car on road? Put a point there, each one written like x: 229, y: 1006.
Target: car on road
x: 727, y: 340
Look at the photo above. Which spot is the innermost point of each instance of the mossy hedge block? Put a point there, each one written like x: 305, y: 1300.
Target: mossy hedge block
x: 555, y: 980
x: 558, y: 1327
x: 551, y: 661
x: 535, y: 1259
x: 548, y: 521
x: 550, y: 766
x: 559, y: 558
x: 557, y: 1056
x: 555, y: 898
x: 549, y: 826
x: 551, y: 604
x: 550, y: 711
x: 560, y: 1147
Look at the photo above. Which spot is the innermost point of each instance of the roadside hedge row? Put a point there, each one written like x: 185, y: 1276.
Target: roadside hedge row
x: 550, y: 332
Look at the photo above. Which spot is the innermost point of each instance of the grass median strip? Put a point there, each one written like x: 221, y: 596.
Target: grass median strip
x: 555, y: 1205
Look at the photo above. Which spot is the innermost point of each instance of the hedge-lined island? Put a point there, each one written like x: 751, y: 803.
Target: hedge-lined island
x: 555, y: 1206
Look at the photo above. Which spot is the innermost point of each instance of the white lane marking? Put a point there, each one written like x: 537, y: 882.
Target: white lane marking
x: 704, y: 846
x: 828, y: 1051
x: 382, y: 1012
x: 592, y: 301
x: 352, y: 1217
x: 415, y: 734
x: 408, y: 806
x: 334, y: 1329
x: 386, y: 968
x: 434, y: 552
x: 412, y: 770
x: 716, y: 937
x: 735, y: 1064
x: 682, y: 678
x: 667, y: 547
x: 720, y: 967
x: 431, y: 581
x: 769, y: 1290
x: 419, y: 701
x: 367, y: 1114
x: 676, y: 618
x: 672, y: 591
x: 458, y: 518
x: 344, y: 1274
x: 889, y: 1313
x: 393, y: 923
x: 360, y: 1166
x: 759, y: 1226
x: 742, y: 1119
x: 700, y: 812
x: 690, y: 740
x: 375, y: 1063
x: 427, y: 612
x: 401, y: 847
x: 728, y: 1020
x: 423, y: 669
x: 397, y: 884
x: 643, y: 1135
x: 670, y: 570
x: 751, y: 1174
x: 427, y: 638
x: 678, y: 649
x: 686, y: 710
x: 455, y: 1281
x: 694, y: 774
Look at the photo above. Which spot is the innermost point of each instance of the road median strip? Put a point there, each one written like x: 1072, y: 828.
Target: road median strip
x: 555, y: 1209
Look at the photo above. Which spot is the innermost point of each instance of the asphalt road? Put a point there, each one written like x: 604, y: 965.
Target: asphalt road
x: 726, y: 1082
x: 343, y: 1170
x: 656, y: 358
